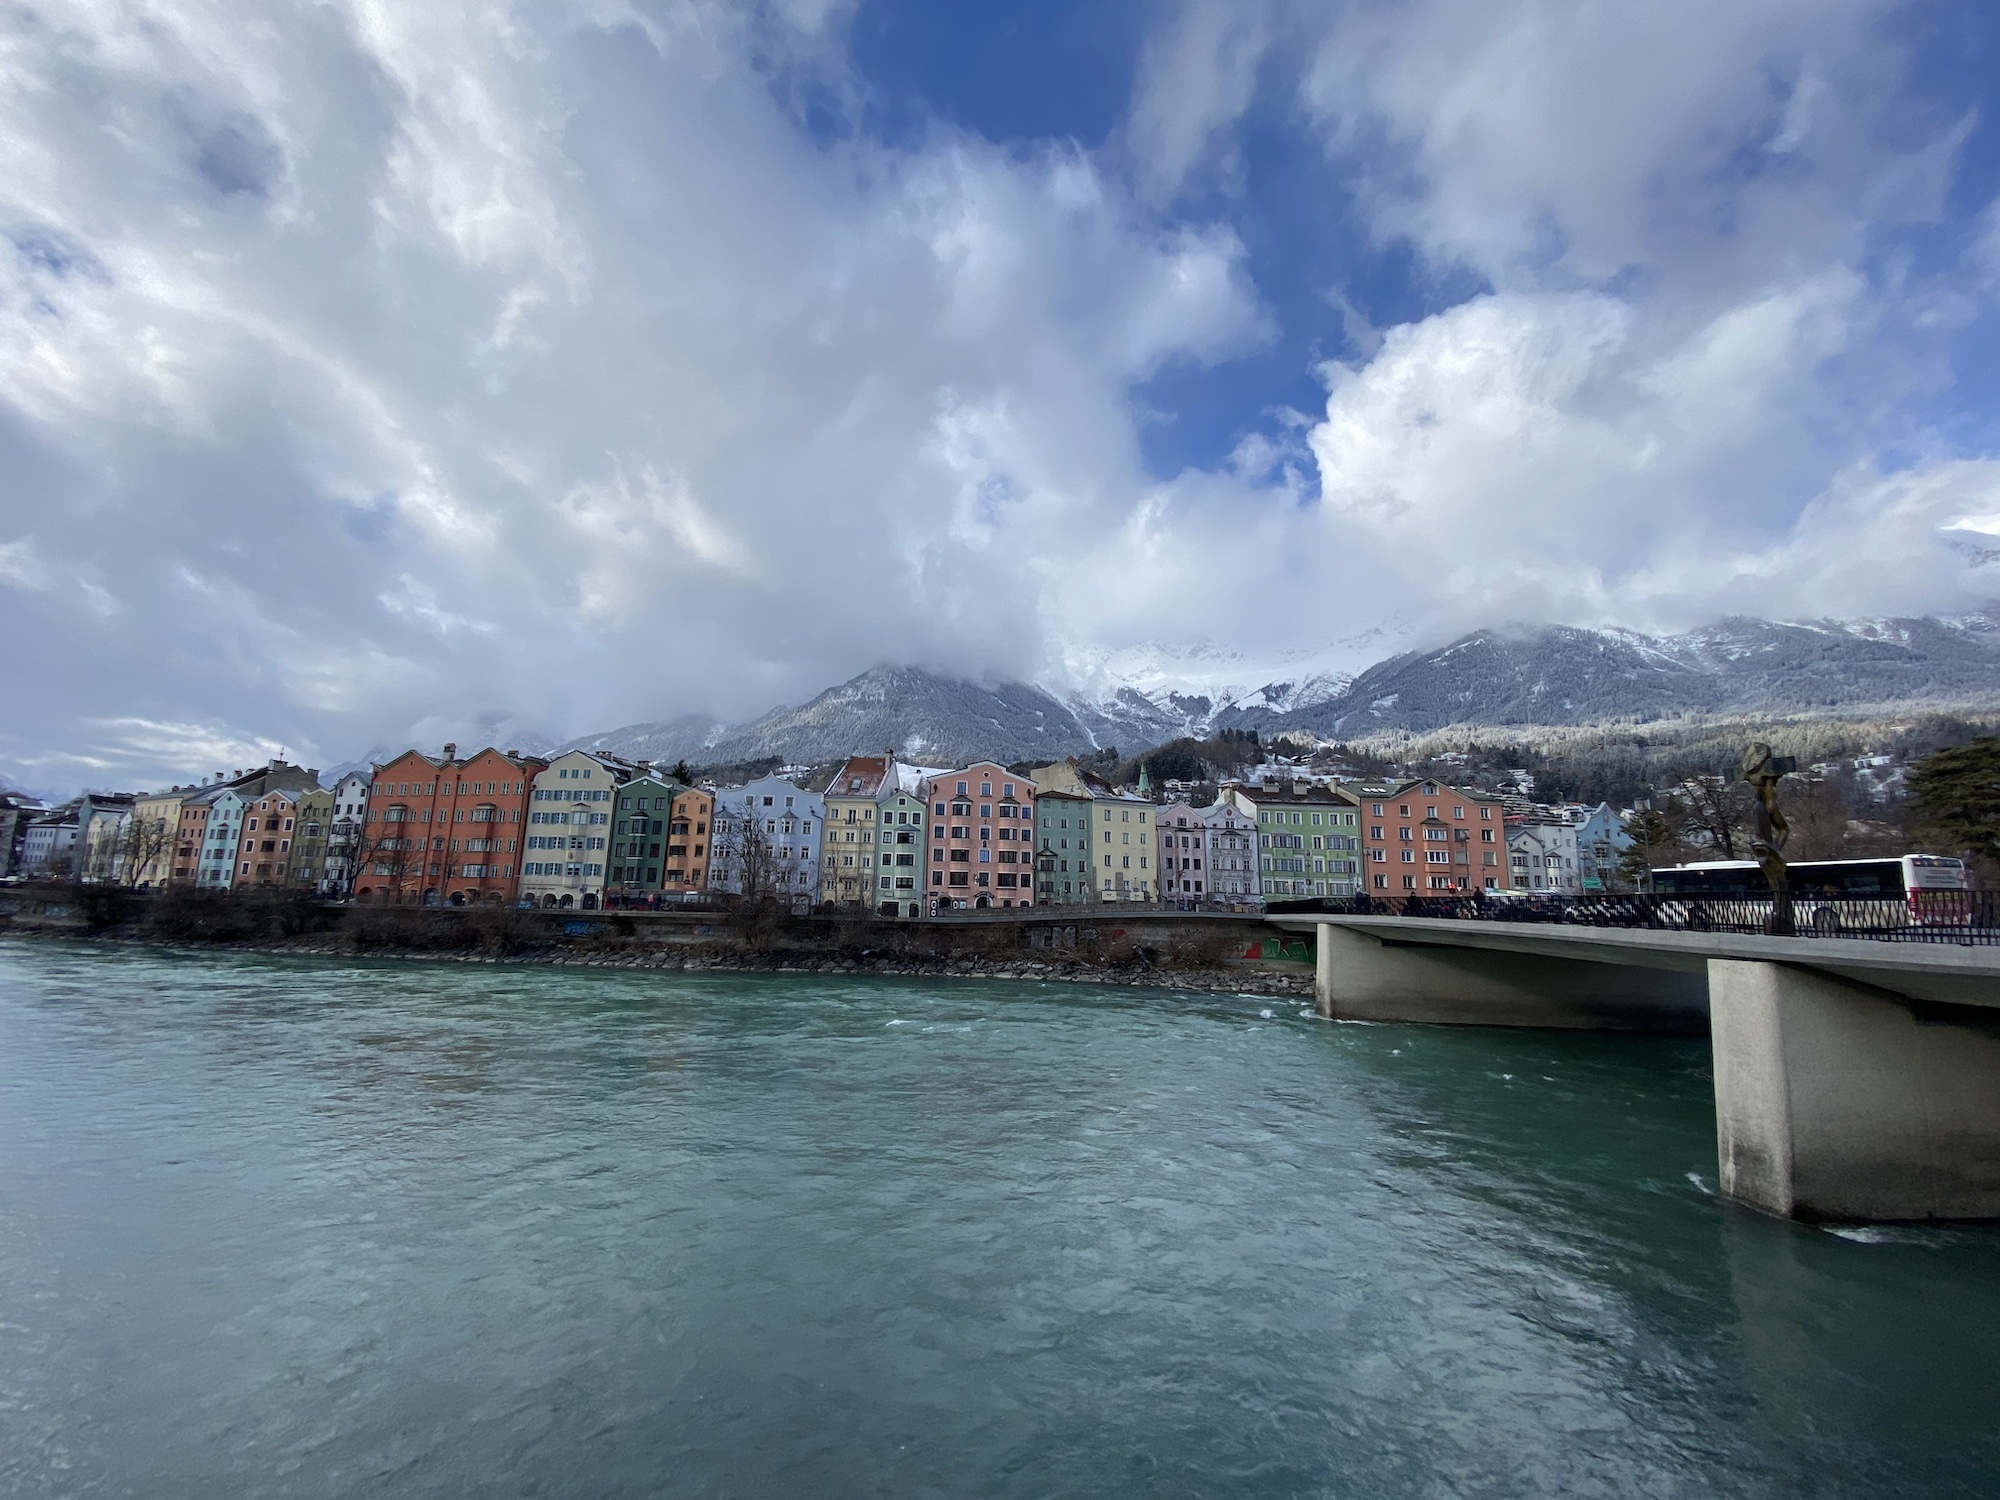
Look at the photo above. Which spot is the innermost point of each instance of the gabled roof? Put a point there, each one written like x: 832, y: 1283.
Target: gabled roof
x: 863, y: 776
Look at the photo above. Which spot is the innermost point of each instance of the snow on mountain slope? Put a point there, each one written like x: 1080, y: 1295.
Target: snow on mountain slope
x: 1140, y: 697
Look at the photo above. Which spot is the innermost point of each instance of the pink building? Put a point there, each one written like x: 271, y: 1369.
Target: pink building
x: 982, y: 838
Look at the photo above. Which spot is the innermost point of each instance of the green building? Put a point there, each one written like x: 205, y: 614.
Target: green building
x: 1063, y: 850
x: 1308, y: 839
x: 639, y: 819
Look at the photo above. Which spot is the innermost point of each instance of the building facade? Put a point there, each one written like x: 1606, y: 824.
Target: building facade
x: 1123, y: 829
x: 264, y: 855
x: 1232, y: 853
x: 1542, y: 853
x: 1308, y: 840
x: 445, y: 831
x: 640, y: 812
x: 661, y: 844
x: 102, y: 845
x: 847, y: 851
x: 900, y: 845
x: 765, y: 843
x: 567, y: 849
x: 15, y: 814
x: 346, y: 830
x: 1062, y: 850
x: 152, y: 838
x: 309, y: 841
x: 1602, y: 845
x: 221, y: 824
x: 48, y: 846
x: 690, y: 850
x: 982, y: 837
x: 1182, y: 838
x: 1425, y: 838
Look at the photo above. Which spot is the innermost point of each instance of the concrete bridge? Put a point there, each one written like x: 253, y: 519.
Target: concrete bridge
x: 1854, y: 1079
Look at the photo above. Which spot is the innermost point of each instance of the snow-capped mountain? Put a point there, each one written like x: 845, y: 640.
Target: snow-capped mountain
x: 1561, y: 675
x: 1552, y: 675
x: 1144, y: 694
x: 691, y: 738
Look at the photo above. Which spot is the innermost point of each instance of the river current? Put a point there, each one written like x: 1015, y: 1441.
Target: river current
x: 368, y: 1229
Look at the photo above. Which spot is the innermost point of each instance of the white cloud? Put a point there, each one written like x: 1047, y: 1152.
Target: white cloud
x: 369, y: 368
x: 513, y: 355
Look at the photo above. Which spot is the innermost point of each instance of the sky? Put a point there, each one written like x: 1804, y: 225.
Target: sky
x: 375, y: 373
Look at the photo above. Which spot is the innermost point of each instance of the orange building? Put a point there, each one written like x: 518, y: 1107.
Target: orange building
x: 1425, y: 838
x: 686, y: 866
x: 447, y: 831
x: 188, y: 838
x: 265, y: 852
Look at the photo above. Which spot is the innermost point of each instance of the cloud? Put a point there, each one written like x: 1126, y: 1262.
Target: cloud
x: 515, y: 355
x: 374, y: 369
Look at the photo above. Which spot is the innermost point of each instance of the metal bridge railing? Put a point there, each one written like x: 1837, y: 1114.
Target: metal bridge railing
x: 1960, y: 917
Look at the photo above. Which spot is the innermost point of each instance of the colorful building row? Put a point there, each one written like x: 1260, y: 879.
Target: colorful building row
x: 585, y: 830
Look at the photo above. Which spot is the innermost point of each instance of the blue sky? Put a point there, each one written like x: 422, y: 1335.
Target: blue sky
x: 391, y: 372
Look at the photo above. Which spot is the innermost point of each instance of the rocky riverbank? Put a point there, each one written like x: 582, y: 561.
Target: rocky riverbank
x: 1152, y: 950
x: 1263, y: 982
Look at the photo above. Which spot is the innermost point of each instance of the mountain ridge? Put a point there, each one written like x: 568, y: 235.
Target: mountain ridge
x: 1493, y: 678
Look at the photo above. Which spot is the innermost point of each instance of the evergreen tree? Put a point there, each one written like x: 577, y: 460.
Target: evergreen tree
x: 1957, y: 794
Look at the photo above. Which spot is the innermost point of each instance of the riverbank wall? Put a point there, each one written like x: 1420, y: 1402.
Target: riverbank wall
x: 1159, y: 949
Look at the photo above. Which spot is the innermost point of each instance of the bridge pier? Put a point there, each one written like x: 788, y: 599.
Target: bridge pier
x: 1836, y: 1100
x: 1363, y: 978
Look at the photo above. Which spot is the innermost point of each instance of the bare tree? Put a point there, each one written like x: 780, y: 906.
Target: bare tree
x: 392, y: 853
x: 344, y: 839
x: 1715, y: 814
x: 757, y: 863
x: 142, y: 844
x: 1820, y: 809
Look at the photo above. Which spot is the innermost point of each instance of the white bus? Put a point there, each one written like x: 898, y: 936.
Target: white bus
x: 1829, y: 894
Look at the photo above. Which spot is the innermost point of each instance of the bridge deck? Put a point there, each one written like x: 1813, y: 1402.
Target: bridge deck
x: 1931, y: 972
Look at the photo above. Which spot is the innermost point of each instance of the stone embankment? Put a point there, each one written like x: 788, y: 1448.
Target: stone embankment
x: 1153, y: 950
x: 1258, y: 980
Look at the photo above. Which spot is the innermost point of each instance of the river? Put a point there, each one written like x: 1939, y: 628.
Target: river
x: 370, y: 1229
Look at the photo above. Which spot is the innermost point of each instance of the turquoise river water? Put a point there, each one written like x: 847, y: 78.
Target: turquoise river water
x: 326, y: 1229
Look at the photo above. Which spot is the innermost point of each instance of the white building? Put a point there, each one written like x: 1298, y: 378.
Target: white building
x: 1541, y: 854
x: 1183, y: 846
x: 345, y: 830
x: 787, y: 819
x: 1232, y: 853
x: 48, y: 848
x: 569, y: 830
x: 102, y: 835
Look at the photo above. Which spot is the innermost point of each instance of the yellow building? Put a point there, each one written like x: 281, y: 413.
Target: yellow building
x: 150, y: 835
x: 315, y: 819
x: 847, y: 847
